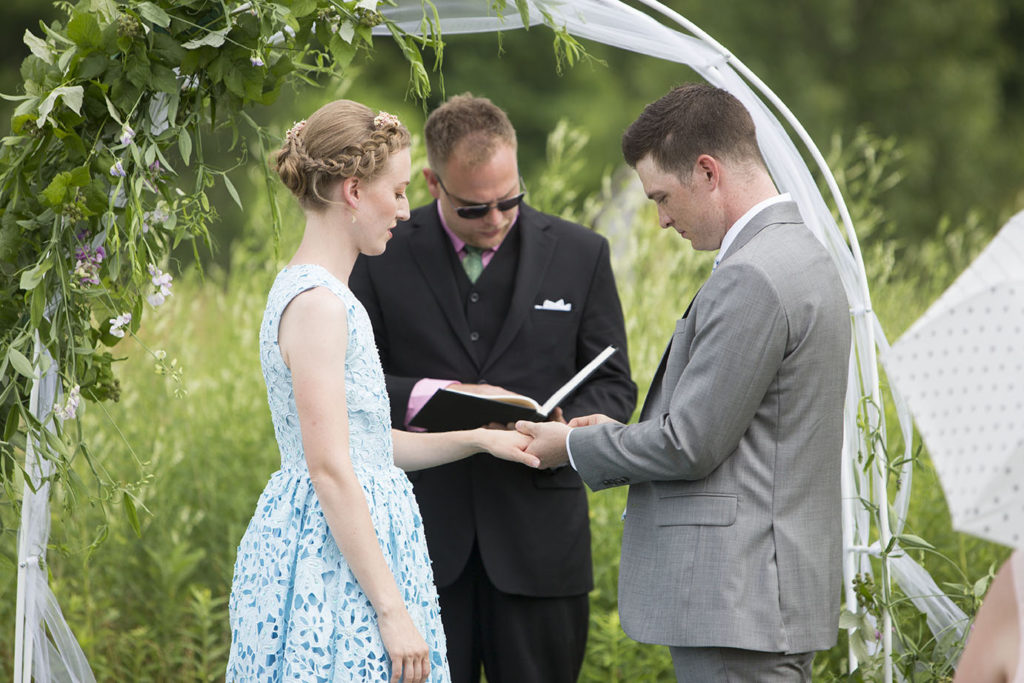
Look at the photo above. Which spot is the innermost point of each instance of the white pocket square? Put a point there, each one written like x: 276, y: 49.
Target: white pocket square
x: 549, y: 305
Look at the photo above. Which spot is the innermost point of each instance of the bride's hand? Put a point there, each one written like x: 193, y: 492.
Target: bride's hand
x: 410, y: 656
x: 507, y: 445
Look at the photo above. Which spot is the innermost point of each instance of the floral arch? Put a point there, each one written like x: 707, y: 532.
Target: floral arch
x: 104, y: 173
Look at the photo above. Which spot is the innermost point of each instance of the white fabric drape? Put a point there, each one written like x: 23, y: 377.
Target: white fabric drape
x: 613, y: 23
x: 45, y: 647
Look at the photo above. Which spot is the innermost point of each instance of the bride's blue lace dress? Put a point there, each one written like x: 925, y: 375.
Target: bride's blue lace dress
x: 297, y: 612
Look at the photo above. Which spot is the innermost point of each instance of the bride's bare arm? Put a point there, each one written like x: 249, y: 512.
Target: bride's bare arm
x: 416, y: 451
x: 317, y: 363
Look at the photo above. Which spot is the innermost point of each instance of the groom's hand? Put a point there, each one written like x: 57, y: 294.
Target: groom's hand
x: 548, y: 442
x: 591, y: 420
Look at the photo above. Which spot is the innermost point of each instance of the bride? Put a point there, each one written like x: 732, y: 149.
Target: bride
x: 332, y: 581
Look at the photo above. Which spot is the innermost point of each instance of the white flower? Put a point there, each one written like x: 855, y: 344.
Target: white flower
x: 117, y: 170
x: 117, y: 324
x: 127, y: 134
x: 256, y: 61
x: 162, y: 281
x: 70, y: 407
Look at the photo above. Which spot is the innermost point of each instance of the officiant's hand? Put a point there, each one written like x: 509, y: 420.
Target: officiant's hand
x: 548, y: 441
x: 483, y: 389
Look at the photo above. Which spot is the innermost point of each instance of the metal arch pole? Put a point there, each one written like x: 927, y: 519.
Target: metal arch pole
x: 872, y: 360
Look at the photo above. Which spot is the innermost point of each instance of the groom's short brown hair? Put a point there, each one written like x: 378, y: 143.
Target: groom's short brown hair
x: 692, y: 119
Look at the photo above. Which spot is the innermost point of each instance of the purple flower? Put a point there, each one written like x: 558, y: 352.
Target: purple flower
x: 87, y: 264
x: 127, y: 134
x: 117, y: 170
x: 155, y: 167
x: 256, y: 61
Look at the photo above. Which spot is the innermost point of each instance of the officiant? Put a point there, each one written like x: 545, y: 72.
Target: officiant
x: 480, y: 292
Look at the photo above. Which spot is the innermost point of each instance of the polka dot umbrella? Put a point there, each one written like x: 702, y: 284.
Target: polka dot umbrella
x: 961, y: 369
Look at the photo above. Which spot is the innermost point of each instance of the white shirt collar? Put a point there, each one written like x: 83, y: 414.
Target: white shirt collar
x: 737, y: 227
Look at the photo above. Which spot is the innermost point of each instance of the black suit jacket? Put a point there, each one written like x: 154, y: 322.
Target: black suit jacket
x: 532, y: 526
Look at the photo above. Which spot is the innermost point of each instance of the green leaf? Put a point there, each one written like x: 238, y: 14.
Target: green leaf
x: 11, y: 426
x: 84, y: 30
x: 133, y: 514
x: 72, y: 96
x: 231, y: 190
x: 185, y: 146
x: 212, y: 39
x: 154, y: 14
x: 54, y: 195
x: 346, y: 31
x: 37, y: 307
x: 38, y: 46
x: 93, y: 65
x: 301, y: 8
x: 163, y: 79
x: 33, y: 276
x: 912, y: 541
x: 233, y: 80
x: 342, y: 51
x: 20, y: 363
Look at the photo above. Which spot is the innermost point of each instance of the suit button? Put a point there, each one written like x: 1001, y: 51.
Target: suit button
x: 474, y: 336
x: 474, y: 297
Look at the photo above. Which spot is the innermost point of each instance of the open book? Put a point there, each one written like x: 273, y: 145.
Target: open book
x: 450, y: 409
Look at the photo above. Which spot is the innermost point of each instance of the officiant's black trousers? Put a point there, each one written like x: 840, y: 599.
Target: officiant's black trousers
x: 516, y: 638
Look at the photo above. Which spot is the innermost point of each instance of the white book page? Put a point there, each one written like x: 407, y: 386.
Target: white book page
x: 576, y: 380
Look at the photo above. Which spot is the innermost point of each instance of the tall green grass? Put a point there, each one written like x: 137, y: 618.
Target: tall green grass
x: 153, y: 608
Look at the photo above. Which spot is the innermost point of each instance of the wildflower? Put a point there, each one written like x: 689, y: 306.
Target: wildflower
x: 157, y: 216
x: 117, y: 324
x: 256, y: 61
x: 155, y: 167
x: 70, y: 407
x: 127, y: 134
x: 87, y: 264
x: 117, y: 170
x: 162, y: 281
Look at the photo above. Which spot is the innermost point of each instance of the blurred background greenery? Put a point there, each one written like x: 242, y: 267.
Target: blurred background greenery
x: 918, y: 107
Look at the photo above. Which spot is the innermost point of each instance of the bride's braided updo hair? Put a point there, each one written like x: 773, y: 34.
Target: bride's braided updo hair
x: 342, y: 139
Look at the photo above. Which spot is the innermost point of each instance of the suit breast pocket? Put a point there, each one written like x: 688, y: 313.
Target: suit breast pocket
x: 697, y: 509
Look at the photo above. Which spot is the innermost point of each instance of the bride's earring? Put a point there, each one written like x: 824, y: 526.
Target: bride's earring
x: 353, y: 218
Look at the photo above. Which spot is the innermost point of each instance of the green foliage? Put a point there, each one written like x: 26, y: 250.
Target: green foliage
x: 104, y: 173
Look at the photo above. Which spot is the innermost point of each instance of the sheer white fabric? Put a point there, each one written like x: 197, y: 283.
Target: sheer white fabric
x: 45, y: 647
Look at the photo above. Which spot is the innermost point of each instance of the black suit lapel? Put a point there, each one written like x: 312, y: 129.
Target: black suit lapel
x: 430, y: 248
x: 535, y: 249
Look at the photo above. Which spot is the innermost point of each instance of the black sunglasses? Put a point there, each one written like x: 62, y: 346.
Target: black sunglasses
x: 471, y: 211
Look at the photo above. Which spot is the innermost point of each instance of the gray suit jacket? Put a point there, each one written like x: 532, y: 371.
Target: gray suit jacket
x: 733, y: 532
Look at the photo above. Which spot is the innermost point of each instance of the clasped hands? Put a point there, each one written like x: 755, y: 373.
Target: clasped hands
x: 535, y: 444
x: 547, y: 439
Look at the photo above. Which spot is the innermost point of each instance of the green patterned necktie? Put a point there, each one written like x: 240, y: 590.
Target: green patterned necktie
x: 473, y: 262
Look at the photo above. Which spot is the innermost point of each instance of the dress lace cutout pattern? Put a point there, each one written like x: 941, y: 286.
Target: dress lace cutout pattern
x: 297, y: 611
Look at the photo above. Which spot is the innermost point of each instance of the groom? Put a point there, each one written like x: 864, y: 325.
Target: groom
x: 731, y: 549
